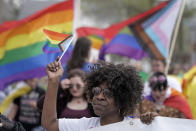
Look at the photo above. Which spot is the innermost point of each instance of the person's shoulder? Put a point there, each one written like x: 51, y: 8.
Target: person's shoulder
x: 91, y: 119
x: 87, y: 67
x: 88, y: 64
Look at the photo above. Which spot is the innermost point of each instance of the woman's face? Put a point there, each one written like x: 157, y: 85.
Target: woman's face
x: 103, y: 101
x: 159, y: 96
x: 76, y: 86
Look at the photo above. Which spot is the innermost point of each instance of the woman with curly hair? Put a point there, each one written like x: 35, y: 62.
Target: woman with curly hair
x: 113, y: 90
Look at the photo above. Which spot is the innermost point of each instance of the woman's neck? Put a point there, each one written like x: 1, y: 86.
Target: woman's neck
x: 112, y: 118
x: 77, y: 104
x: 78, y: 100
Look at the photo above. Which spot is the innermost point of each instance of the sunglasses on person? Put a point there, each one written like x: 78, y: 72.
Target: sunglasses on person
x: 155, y: 79
x: 78, y: 86
x: 106, y: 92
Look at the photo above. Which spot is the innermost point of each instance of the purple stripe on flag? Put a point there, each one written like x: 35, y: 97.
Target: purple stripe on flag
x: 47, y: 49
x: 34, y: 73
x: 38, y: 72
x: 125, y: 50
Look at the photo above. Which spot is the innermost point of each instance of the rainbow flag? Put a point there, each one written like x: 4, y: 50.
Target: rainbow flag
x: 155, y: 33
x: 125, y: 44
x: 118, y: 38
x: 96, y: 36
x: 21, y: 43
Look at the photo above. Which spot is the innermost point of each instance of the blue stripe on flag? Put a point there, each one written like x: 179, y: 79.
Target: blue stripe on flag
x: 157, y: 42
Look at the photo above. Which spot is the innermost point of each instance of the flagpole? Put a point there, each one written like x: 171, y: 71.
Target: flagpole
x: 76, y: 24
x: 175, y: 36
x: 66, y: 48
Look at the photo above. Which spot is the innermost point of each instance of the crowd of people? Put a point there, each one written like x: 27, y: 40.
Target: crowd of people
x: 83, y: 95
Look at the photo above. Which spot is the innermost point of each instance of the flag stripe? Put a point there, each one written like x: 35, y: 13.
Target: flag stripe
x: 149, y: 46
x: 46, y: 20
x: 20, y: 66
x: 30, y: 63
x: 126, y: 39
x: 156, y: 26
x: 156, y: 16
x: 55, y: 35
x: 33, y: 37
x: 126, y: 30
x: 23, y: 76
x: 96, y: 41
x: 125, y: 50
x: 157, y: 31
x: 51, y: 48
x: 114, y: 29
x: 66, y: 5
x: 157, y: 41
x: 25, y: 51
x: 16, y: 42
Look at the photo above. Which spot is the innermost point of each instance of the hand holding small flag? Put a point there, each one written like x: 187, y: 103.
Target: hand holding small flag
x: 55, y: 70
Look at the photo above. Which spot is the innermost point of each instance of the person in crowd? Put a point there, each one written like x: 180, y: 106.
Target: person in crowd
x: 165, y: 101
x: 159, y: 66
x: 75, y: 96
x: 113, y: 90
x: 80, y: 56
x: 7, y: 125
x: 24, y: 108
x: 71, y: 97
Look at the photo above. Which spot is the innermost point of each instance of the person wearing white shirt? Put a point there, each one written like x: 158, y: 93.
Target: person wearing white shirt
x: 113, y: 90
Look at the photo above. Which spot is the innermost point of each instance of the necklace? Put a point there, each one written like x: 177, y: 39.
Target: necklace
x: 79, y: 102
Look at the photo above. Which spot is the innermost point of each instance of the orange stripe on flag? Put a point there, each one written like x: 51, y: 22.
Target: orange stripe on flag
x: 45, y: 20
x: 55, y: 35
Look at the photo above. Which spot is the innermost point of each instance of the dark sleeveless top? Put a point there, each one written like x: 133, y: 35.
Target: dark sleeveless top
x: 70, y: 113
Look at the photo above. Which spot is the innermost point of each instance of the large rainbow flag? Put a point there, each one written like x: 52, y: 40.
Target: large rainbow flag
x: 96, y: 35
x: 118, y: 38
x: 155, y: 33
x: 21, y: 42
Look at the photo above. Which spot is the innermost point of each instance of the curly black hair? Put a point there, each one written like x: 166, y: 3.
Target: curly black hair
x: 124, y: 82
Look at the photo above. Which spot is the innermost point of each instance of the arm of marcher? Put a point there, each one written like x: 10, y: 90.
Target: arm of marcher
x: 13, y: 111
x: 49, y: 115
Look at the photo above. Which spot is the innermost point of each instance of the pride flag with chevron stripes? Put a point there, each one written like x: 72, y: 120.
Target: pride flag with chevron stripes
x: 155, y: 33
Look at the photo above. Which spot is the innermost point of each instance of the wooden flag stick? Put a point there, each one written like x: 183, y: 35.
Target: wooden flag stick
x: 175, y: 36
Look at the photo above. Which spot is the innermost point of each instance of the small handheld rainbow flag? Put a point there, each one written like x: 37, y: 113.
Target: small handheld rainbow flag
x: 57, y: 42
